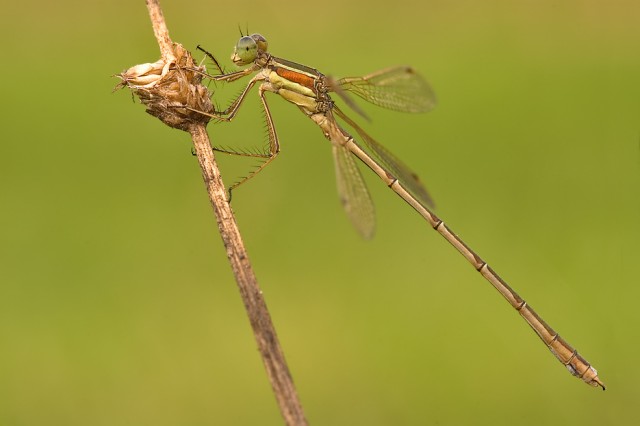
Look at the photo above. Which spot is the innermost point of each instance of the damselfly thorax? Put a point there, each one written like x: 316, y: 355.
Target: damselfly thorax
x: 303, y: 86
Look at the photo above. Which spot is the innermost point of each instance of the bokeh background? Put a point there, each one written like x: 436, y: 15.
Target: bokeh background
x: 117, y: 304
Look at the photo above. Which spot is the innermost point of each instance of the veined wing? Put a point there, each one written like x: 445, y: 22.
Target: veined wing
x: 398, y: 88
x: 391, y: 163
x: 353, y: 192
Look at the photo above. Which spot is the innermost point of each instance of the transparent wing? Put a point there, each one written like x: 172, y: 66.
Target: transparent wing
x: 353, y: 192
x: 398, y: 88
x: 391, y: 163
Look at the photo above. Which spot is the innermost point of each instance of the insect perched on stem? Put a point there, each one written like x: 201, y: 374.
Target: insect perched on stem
x: 397, y: 88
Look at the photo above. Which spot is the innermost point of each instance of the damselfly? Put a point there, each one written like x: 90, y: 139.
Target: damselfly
x: 401, y: 89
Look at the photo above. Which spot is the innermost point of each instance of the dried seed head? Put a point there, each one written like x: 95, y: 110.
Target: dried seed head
x: 171, y: 91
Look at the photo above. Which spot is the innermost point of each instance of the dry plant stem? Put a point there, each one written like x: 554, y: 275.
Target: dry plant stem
x: 259, y: 317
x: 160, y: 30
x: 263, y: 329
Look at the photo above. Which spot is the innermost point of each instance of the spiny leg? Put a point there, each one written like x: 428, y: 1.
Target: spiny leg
x: 232, y: 76
x: 274, y: 145
x: 226, y: 77
x: 210, y: 56
x: 230, y: 113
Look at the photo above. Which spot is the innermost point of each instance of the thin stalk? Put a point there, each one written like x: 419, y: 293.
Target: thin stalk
x: 155, y: 84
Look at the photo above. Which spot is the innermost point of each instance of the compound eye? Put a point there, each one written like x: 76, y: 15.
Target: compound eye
x: 246, y: 51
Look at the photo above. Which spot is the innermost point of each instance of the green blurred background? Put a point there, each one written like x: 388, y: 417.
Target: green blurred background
x: 117, y: 304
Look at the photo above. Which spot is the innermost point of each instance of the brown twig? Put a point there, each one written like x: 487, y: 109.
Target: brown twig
x: 160, y: 30
x: 165, y: 87
x: 263, y: 329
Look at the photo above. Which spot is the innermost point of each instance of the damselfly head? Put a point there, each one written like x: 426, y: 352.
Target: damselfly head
x: 248, y: 49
